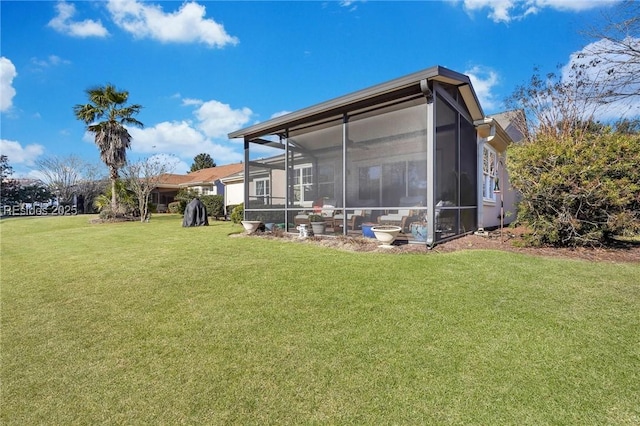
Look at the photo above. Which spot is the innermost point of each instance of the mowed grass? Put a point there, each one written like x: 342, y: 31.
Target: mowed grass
x: 153, y: 323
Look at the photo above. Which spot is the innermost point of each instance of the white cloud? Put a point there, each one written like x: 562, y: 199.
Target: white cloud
x: 64, y: 24
x: 181, y: 139
x: 186, y: 139
x: 18, y: 154
x: 49, y: 61
x: 350, y: 4
x: 189, y: 102
x: 484, y: 80
x: 614, y: 58
x: 168, y: 137
x: 186, y: 25
x: 7, y: 92
x: 218, y: 119
x: 279, y: 114
x: 509, y: 10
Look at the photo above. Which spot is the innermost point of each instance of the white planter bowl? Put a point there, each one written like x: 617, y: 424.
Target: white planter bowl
x: 386, y: 234
x: 251, y: 226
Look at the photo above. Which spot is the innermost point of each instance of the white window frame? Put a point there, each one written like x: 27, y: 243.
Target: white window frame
x: 490, y: 159
x: 266, y: 189
x: 300, y: 183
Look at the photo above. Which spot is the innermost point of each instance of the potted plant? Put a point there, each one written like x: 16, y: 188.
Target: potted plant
x: 318, y: 224
x: 386, y: 234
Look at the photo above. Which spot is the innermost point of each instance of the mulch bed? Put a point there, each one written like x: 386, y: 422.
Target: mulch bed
x: 511, y: 240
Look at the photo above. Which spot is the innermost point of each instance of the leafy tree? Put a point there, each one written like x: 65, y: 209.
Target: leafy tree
x: 578, y: 191
x: 202, y: 161
x: 214, y: 205
x: 93, y: 183
x: 579, y: 179
x: 35, y: 193
x: 142, y: 178
x: 127, y: 205
x: 10, y: 186
x: 111, y: 136
x: 184, y: 196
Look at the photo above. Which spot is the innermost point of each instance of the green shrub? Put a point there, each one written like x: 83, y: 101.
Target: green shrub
x: 184, y: 197
x: 578, y: 191
x: 174, y: 207
x: 237, y: 215
x: 214, y: 205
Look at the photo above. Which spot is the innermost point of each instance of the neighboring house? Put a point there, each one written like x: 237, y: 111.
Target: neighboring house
x: 419, y: 148
x: 205, y: 182
x: 233, y: 189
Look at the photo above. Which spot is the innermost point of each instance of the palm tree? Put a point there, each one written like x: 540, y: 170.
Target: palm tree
x: 111, y: 137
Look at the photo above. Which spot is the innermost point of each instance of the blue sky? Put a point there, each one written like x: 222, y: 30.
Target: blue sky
x: 202, y: 69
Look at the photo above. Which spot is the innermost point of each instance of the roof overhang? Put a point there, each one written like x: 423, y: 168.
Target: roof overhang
x: 394, y: 89
x: 493, y: 133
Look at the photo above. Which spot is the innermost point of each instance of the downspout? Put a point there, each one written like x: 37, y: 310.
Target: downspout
x: 486, y: 131
x: 246, y: 177
x: 431, y: 155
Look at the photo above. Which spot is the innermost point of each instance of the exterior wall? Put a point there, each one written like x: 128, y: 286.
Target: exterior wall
x: 204, y: 189
x: 491, y: 210
x: 218, y: 188
x: 234, y: 193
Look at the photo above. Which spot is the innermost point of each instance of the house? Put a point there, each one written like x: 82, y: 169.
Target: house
x: 415, y: 151
x: 209, y: 181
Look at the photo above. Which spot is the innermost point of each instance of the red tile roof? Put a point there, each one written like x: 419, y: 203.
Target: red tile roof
x: 200, y: 176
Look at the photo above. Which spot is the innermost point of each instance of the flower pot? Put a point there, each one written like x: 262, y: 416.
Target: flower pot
x: 366, y: 230
x: 318, y: 227
x: 386, y: 234
x: 251, y: 226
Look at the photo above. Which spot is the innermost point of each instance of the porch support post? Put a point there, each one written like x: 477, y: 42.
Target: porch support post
x: 480, y: 181
x: 431, y: 162
x: 345, y: 120
x: 287, y: 179
x: 246, y: 177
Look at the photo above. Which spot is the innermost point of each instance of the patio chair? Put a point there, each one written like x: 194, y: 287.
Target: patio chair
x: 355, y: 219
x: 301, y: 219
x: 404, y: 216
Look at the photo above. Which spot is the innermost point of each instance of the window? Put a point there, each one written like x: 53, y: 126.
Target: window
x: 388, y: 182
x: 369, y: 183
x: 263, y: 190
x: 489, y: 172
x: 303, y: 184
x: 326, y: 181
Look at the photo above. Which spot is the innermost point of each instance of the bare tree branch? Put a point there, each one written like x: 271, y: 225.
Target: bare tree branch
x: 143, y: 177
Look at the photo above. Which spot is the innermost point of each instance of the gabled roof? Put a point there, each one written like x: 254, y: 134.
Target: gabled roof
x: 403, y: 86
x: 509, y: 121
x: 199, y: 177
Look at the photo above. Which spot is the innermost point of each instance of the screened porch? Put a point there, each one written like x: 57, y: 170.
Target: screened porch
x: 403, y: 153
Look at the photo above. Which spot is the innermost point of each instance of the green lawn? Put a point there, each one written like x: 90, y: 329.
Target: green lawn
x: 153, y: 323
